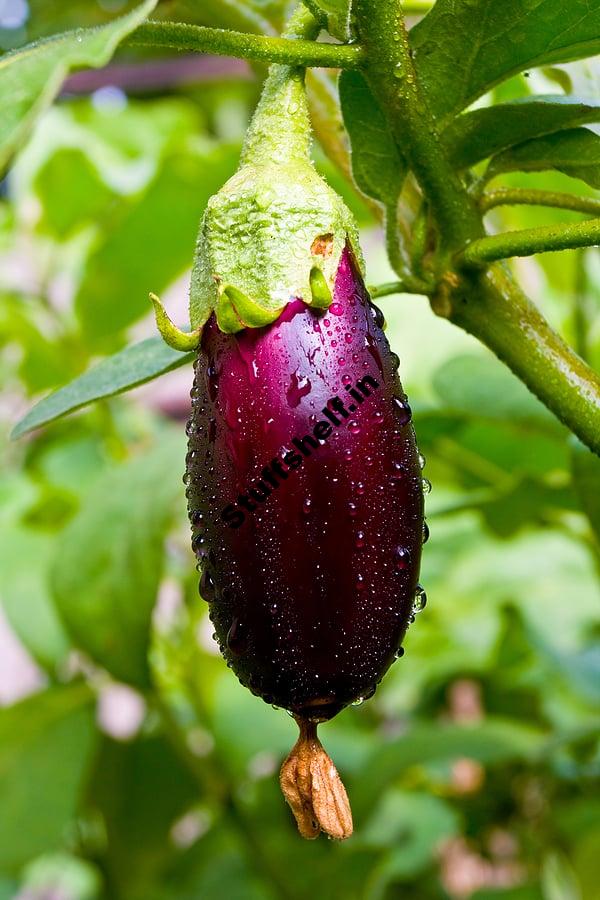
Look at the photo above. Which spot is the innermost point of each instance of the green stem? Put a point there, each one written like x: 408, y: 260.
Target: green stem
x: 494, y: 309
x: 413, y: 283
x: 557, y: 199
x: 207, y: 777
x: 582, y: 315
x: 388, y: 288
x: 280, y: 127
x: 201, y: 39
x: 393, y: 80
x: 531, y: 241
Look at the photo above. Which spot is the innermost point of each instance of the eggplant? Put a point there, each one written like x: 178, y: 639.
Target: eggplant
x: 303, y: 475
x: 306, y: 501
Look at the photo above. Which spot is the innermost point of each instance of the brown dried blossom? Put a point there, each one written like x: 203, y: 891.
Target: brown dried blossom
x: 313, y: 789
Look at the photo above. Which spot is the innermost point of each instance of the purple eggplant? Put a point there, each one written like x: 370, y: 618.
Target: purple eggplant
x: 306, y: 501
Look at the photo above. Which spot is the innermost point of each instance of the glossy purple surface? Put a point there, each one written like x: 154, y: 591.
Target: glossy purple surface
x: 310, y: 591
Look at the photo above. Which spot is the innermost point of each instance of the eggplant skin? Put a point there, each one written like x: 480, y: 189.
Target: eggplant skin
x: 308, y: 533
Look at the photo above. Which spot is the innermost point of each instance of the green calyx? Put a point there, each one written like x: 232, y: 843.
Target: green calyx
x: 276, y: 230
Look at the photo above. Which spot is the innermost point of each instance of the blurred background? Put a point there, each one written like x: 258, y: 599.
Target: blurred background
x: 473, y: 772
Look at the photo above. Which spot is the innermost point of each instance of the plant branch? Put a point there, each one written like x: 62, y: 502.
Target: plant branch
x: 530, y: 241
x: 491, y: 306
x: 557, y: 199
x: 385, y: 290
x: 392, y: 77
x: 221, y: 42
x: 210, y: 782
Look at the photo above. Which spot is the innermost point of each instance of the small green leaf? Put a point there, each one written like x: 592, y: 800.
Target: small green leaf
x: 140, y: 789
x: 25, y: 556
x: 483, y: 132
x: 31, y: 77
x: 45, y: 747
x: 559, y: 881
x: 490, y: 742
x: 336, y: 13
x: 483, y: 387
x: 377, y: 165
x: 586, y: 480
x: 463, y: 49
x: 575, y: 152
x: 412, y: 825
x: 124, y: 370
x: 151, y: 242
x: 109, y: 560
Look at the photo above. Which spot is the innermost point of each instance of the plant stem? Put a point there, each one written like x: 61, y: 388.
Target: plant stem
x: 557, y: 199
x: 582, y: 315
x: 247, y: 46
x: 530, y: 241
x: 494, y: 309
x: 385, y: 290
x: 393, y: 80
x: 256, y: 859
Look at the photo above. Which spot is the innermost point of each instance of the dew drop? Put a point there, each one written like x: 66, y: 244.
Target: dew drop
x: 422, y: 461
x: 395, y: 361
x: 360, y: 582
x: 336, y: 309
x: 353, y: 510
x: 426, y: 485
x: 425, y: 532
x: 378, y: 316
x: 401, y: 558
x: 398, y: 471
x: 237, y: 637
x: 307, y: 506
x: 399, y: 653
x: 213, y: 382
x: 360, y: 488
x: 353, y: 427
x: 378, y: 417
x: 197, y: 542
x: 360, y: 539
x: 420, y: 600
x: 404, y: 411
x: 207, y: 587
x: 358, y: 702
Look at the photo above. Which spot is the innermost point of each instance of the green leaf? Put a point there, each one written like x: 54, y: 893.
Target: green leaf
x: 463, y: 49
x: 483, y: 132
x: 336, y: 14
x: 109, y: 560
x: 25, y: 556
x: 31, y: 77
x: 559, y: 881
x: 412, y: 826
x: 45, y: 747
x: 152, y: 243
x: 586, y: 480
x: 483, y: 387
x: 575, y: 152
x: 490, y: 742
x: 127, y: 369
x: 377, y: 165
x: 140, y: 789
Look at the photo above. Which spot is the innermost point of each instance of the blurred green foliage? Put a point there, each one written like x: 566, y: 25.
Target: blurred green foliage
x: 474, y: 771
